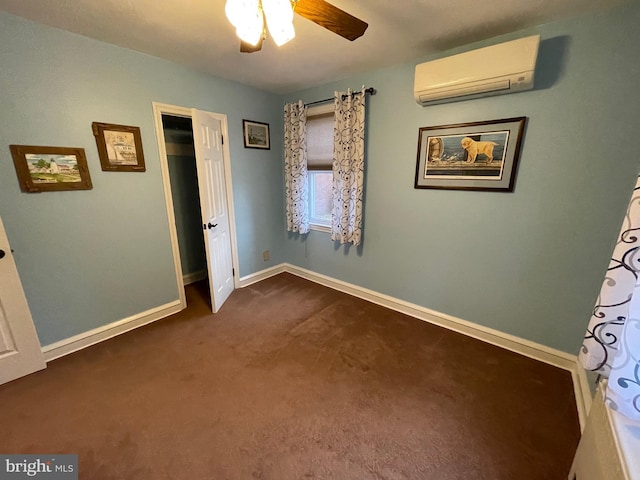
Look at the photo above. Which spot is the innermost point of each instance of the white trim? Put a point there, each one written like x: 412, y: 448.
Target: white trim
x: 319, y: 228
x: 100, y: 334
x: 500, y: 339
x: 530, y: 349
x: 158, y: 110
x: 584, y: 386
x: 584, y: 398
x: 609, y: 446
x: 261, y: 275
x: 626, y: 438
x: 194, y: 277
x: 495, y: 337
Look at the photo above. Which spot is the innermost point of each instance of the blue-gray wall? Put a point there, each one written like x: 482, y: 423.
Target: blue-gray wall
x: 89, y: 258
x: 528, y: 263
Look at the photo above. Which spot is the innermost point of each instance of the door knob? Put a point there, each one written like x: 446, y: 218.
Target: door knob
x: 2, y: 254
x: 212, y: 226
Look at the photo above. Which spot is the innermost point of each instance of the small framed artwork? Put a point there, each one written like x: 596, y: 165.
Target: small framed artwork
x: 256, y: 134
x: 470, y: 156
x: 50, y: 169
x: 119, y: 147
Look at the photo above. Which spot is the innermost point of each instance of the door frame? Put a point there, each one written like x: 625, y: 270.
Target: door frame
x: 160, y: 109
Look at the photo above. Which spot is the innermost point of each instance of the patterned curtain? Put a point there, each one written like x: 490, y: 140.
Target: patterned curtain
x: 295, y: 167
x: 612, y: 343
x: 348, y: 167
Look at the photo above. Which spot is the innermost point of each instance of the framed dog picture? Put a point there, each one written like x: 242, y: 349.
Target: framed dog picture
x: 470, y: 156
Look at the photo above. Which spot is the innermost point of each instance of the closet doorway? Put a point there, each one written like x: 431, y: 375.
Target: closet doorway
x: 183, y: 177
x: 197, y: 183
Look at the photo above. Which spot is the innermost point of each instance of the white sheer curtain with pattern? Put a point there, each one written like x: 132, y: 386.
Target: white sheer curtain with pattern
x: 348, y: 167
x: 611, y: 346
x: 295, y: 167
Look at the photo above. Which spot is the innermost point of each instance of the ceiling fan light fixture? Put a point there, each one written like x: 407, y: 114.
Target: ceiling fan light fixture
x: 251, y: 32
x: 279, y: 17
x: 282, y: 33
x: 278, y: 10
x: 246, y: 16
x: 252, y: 17
x: 236, y: 10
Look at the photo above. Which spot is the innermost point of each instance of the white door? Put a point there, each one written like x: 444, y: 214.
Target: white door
x: 20, y: 352
x: 207, y: 137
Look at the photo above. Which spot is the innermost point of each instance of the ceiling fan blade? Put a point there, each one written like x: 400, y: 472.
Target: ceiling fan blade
x: 248, y: 48
x: 332, y: 18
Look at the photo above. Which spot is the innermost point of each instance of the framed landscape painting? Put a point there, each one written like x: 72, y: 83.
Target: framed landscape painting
x: 119, y: 147
x: 470, y: 156
x: 50, y: 169
x: 256, y: 134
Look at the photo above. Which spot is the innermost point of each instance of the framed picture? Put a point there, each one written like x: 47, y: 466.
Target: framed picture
x: 470, y: 156
x: 256, y: 134
x: 119, y: 147
x: 50, y: 169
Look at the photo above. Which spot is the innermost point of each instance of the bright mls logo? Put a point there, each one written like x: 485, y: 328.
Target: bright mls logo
x: 50, y: 467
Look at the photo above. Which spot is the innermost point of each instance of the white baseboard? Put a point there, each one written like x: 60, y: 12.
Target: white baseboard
x: 194, y: 277
x: 582, y: 391
x: 515, y: 344
x: 261, y: 275
x: 495, y: 337
x: 100, y: 334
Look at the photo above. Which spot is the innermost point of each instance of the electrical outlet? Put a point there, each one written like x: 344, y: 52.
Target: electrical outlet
x: 265, y: 255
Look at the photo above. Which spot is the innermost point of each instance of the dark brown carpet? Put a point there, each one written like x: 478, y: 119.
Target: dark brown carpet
x: 292, y: 380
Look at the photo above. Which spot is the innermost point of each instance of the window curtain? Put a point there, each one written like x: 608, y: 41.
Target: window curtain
x: 611, y: 345
x: 348, y: 167
x: 295, y: 167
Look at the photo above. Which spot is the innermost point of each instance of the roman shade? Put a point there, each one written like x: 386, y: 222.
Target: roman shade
x: 320, y: 142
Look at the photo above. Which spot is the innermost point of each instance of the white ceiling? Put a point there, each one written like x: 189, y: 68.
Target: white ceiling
x: 197, y: 34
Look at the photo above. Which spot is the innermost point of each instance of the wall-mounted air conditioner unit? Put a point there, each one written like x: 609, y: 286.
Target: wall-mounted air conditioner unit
x: 504, y: 68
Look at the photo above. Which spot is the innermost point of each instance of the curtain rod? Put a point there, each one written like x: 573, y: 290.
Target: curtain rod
x: 369, y: 90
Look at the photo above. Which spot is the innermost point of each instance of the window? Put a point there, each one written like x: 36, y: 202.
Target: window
x: 319, y: 165
x: 320, y: 185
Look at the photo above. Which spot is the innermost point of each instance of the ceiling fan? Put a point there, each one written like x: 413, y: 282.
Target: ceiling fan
x: 251, y: 17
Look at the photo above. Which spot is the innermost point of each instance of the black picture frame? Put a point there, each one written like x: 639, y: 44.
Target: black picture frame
x: 481, y: 156
x: 256, y: 135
